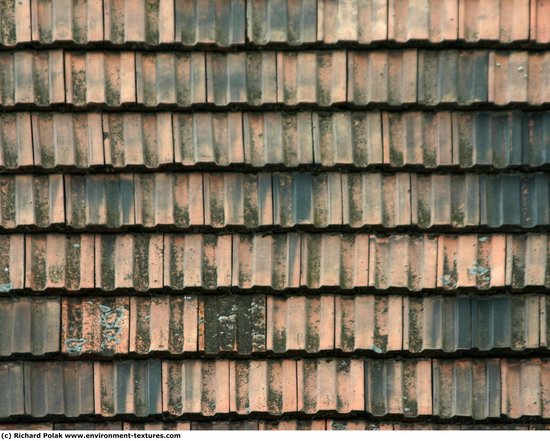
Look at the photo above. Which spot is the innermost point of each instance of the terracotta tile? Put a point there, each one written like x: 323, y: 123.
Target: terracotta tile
x: 508, y: 77
x: 368, y: 322
x: 212, y: 21
x: 92, y: 325
x: 131, y: 387
x: 282, y: 21
x: 539, y: 82
x: 12, y: 383
x: 401, y: 261
x: 330, y: 384
x: 63, y: 20
x: 195, y: 387
x: 293, y: 425
x: 267, y: 386
x: 59, y: 261
x: 179, y: 425
x: 278, y: 138
x: 354, y: 425
x: 174, y: 199
x: 164, y: 324
x: 311, y: 77
x: 29, y: 325
x: 300, y: 323
x: 347, y: 138
x: 451, y: 76
x: 138, y: 139
x: 376, y: 199
x: 378, y: 77
x: 334, y: 260
x: 232, y: 324
x: 114, y: 425
x: 237, y: 199
x: 349, y: 20
x: 12, y: 262
x: 67, y: 140
x: 243, y: 77
x: 418, y: 138
x: 16, y: 140
x: 266, y: 260
x: 15, y: 26
x: 106, y: 200
x: 213, y: 138
x: 170, y: 78
x: 128, y: 261
x: 100, y: 78
x: 151, y: 22
x: 197, y: 260
x: 501, y: 20
x: 59, y: 388
x: 536, y: 146
x: 447, y: 200
x: 423, y: 20
x: 475, y: 261
x: 31, y: 77
x: 26, y: 426
x: 527, y: 260
x: 402, y: 387
x: 540, y: 31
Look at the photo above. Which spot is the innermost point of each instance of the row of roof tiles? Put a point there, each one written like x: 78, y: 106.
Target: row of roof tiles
x: 259, y: 139
x: 220, y: 200
x: 479, y: 388
x: 284, y: 21
x: 319, y: 78
x: 152, y: 261
x: 258, y: 323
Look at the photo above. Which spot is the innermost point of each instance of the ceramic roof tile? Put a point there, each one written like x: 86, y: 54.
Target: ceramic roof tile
x: 26, y: 426
x: 347, y: 138
x: 59, y: 261
x: 225, y: 425
x: 210, y: 21
x: 196, y: 387
x: 89, y: 426
x: 282, y: 21
x: 15, y: 140
x: 357, y: 425
x: 469, y: 388
x: 197, y: 260
x: 241, y: 77
x: 31, y: 78
x: 292, y: 425
x: 527, y: 260
x: 508, y: 77
x: 180, y: 425
x: 379, y: 77
x: 15, y: 22
x: 61, y: 21
x: 210, y: 138
x: 164, y: 324
x: 536, y: 132
x: 107, y: 78
x: 539, y: 83
x: 311, y: 77
x: 12, y: 383
x: 475, y: 261
x: 59, y: 388
x: 131, y: 387
x: 330, y: 260
x: 151, y: 22
x: 92, y: 325
x: 402, y: 387
x: 29, y: 325
x: 12, y: 262
x: 128, y: 261
x: 170, y: 78
x: 540, y: 31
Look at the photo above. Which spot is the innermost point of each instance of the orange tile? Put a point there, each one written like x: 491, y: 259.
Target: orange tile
x: 509, y: 77
x: 539, y: 82
x: 12, y: 262
x: 540, y: 30
x: 16, y: 23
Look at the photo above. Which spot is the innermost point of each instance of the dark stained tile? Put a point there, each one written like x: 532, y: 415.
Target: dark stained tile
x: 536, y: 138
x: 114, y: 425
x: 16, y: 140
x: 292, y: 425
x: 357, y: 425
x: 15, y: 22
x: 26, y: 426
x: 179, y: 425
x: 12, y: 386
x: 527, y: 260
x: 225, y: 425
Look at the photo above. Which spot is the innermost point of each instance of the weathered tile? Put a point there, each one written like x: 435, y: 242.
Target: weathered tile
x: 402, y: 261
x: 220, y: 22
x: 299, y: 323
x: 232, y: 324
x: 195, y: 387
x: 536, y: 138
x: 225, y: 425
x: 241, y: 77
x: 401, y: 387
x: 170, y: 78
x: 164, y: 324
x: 508, y: 77
x: 12, y: 384
x: 15, y: 22
x: 382, y: 77
x: 26, y: 426
x: 292, y: 425
x: 29, y: 325
x: 132, y: 387
x: 59, y: 261
x: 107, y: 78
x: 129, y: 261
x: 114, y: 425
x: 538, y: 91
x: 539, y: 29
x: 12, y: 262
x: 331, y: 260
x: 179, y: 425
x: 369, y: 322
x: 59, y: 388
x: 16, y: 140
x: 92, y: 325
x: 357, y: 425
x: 527, y: 260
x: 311, y: 77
